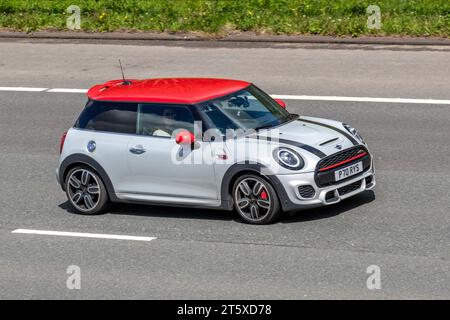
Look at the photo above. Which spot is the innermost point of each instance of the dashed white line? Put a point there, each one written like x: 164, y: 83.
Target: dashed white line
x: 83, y: 235
x: 62, y: 90
x: 22, y: 89
x: 278, y: 96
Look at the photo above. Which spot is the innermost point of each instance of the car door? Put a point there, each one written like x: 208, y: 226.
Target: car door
x: 160, y: 169
x: 104, y: 130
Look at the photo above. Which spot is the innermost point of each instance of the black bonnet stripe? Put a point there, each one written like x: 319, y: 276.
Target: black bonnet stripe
x: 346, y: 134
x: 306, y: 147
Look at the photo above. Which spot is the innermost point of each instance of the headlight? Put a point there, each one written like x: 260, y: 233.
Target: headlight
x: 288, y: 158
x: 353, y: 132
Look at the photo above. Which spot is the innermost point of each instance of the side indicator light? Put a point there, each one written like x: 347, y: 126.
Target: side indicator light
x: 61, y: 144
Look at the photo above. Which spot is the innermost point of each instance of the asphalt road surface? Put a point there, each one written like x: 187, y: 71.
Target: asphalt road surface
x: 403, y: 227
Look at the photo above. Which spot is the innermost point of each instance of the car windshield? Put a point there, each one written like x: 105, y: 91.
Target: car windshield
x: 246, y: 109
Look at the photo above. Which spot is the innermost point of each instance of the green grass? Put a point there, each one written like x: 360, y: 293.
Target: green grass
x: 320, y: 17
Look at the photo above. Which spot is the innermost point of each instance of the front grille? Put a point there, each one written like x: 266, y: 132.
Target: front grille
x: 335, y: 159
x: 326, y: 168
x: 349, y: 188
x: 306, y: 192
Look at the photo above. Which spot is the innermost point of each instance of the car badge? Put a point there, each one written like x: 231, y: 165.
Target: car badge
x: 91, y: 146
x: 338, y: 146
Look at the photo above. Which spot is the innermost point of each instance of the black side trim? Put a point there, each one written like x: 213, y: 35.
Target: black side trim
x: 346, y: 134
x: 81, y: 158
x: 235, y: 169
x: 306, y: 147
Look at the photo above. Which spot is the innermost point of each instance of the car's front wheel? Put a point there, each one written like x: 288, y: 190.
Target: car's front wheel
x: 256, y: 200
x: 85, y: 191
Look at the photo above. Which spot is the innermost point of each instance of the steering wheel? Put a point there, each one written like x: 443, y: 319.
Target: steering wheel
x: 238, y: 102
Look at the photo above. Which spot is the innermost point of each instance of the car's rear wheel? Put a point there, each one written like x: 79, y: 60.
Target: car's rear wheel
x: 256, y: 200
x: 85, y: 191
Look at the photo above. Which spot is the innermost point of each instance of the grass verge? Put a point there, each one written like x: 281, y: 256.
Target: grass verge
x: 219, y: 17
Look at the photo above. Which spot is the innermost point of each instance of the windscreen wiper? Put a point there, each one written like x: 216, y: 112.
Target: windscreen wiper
x: 264, y: 127
x: 290, y: 117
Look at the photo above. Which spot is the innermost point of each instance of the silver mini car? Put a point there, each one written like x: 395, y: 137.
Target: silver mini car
x: 216, y: 143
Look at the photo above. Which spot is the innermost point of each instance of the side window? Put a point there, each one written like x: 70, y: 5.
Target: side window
x: 163, y: 120
x: 115, y: 117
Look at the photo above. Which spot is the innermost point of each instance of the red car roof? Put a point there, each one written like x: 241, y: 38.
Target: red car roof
x: 166, y: 90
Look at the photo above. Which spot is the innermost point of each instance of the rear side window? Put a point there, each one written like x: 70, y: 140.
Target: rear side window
x: 118, y: 117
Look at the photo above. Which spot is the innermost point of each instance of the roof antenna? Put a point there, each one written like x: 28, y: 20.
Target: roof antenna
x: 125, y: 82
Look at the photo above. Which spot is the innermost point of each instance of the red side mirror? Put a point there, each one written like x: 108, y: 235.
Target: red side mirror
x: 281, y: 103
x: 184, y: 137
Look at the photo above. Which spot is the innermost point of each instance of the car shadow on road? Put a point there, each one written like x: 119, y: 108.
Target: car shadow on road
x: 331, y: 210
x: 162, y: 211
x: 207, y: 214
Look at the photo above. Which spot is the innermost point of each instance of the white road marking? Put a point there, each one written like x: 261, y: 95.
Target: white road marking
x: 277, y: 96
x: 83, y: 235
x: 361, y: 99
x: 22, y: 89
x: 62, y: 90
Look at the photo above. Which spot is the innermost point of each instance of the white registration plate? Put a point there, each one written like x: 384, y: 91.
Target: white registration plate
x: 348, y: 171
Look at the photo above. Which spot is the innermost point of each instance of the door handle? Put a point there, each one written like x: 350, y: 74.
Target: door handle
x: 137, y: 150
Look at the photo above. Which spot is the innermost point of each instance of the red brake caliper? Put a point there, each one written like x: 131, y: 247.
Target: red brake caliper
x: 263, y: 195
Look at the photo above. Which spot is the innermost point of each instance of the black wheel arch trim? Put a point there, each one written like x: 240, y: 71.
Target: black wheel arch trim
x: 235, y: 169
x: 86, y: 160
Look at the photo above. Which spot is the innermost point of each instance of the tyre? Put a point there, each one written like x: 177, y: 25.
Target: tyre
x: 255, y: 200
x: 85, y: 191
